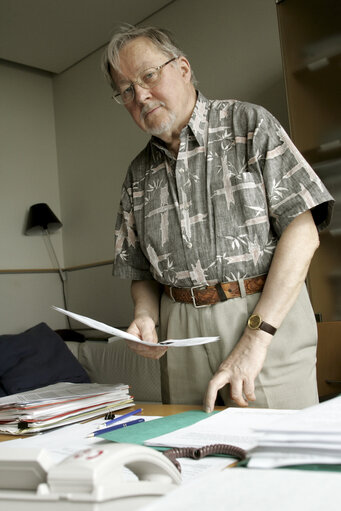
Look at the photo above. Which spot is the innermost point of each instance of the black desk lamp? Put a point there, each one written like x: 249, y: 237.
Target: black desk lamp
x: 42, y: 220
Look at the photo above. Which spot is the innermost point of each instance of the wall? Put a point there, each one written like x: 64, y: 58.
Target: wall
x: 233, y: 55
x: 234, y: 50
x: 28, y: 174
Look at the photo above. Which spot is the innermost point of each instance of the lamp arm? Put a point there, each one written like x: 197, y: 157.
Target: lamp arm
x: 61, y: 273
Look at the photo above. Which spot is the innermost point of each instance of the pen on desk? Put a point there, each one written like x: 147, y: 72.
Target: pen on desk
x: 117, y: 419
x: 116, y: 426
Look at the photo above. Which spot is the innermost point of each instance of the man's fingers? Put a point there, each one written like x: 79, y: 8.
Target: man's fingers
x: 147, y: 351
x: 236, y: 392
x: 211, y: 395
x: 238, y: 387
x: 218, y: 381
x: 249, y: 390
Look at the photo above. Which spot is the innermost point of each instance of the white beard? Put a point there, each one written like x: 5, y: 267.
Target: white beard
x: 162, y: 127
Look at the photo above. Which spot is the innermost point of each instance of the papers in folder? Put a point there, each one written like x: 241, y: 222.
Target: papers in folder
x: 59, y: 404
x: 102, y: 327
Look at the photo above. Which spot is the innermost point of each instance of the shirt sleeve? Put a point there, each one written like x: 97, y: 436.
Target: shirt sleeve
x: 292, y: 186
x: 129, y: 260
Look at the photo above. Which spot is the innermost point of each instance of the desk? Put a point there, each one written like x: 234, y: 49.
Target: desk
x: 148, y: 409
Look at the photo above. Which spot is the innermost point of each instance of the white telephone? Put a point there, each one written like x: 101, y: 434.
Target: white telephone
x: 93, y: 479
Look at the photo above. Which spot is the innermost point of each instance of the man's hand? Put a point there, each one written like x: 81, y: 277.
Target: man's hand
x: 144, y: 328
x: 288, y: 270
x: 240, y: 370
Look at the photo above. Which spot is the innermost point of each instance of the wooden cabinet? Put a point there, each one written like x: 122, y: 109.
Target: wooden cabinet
x: 310, y: 34
x: 329, y: 359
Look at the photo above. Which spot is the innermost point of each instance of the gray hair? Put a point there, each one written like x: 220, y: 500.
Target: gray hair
x: 161, y: 38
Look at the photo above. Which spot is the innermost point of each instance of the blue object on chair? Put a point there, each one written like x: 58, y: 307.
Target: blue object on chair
x: 36, y: 358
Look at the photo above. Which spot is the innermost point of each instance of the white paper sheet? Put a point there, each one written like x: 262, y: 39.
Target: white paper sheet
x: 324, y: 418
x: 170, y: 343
x: 285, y: 459
x: 191, y: 469
x: 240, y: 489
x: 231, y: 426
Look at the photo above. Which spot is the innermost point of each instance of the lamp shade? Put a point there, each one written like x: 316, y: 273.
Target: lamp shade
x: 41, y: 217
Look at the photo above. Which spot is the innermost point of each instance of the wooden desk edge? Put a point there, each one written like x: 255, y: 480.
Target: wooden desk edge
x: 148, y: 409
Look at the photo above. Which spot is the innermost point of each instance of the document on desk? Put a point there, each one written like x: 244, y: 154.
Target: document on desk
x: 231, y: 426
x: 311, y: 435
x: 102, y: 327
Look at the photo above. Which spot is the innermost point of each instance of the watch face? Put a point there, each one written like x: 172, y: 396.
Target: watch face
x: 254, y: 321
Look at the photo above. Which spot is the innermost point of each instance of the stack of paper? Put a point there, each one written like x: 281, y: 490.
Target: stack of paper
x: 309, y: 436
x: 58, y: 405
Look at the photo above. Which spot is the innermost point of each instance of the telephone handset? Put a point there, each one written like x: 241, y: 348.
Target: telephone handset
x: 91, y: 479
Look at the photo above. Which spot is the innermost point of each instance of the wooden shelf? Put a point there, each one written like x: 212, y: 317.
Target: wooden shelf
x: 311, y: 53
x: 316, y: 155
x: 321, y: 66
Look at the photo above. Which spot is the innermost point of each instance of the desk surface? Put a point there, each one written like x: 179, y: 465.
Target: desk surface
x: 148, y: 409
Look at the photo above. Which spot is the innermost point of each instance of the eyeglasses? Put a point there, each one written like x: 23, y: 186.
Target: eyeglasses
x: 148, y: 79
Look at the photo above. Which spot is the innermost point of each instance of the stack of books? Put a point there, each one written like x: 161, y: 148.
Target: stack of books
x: 58, y: 405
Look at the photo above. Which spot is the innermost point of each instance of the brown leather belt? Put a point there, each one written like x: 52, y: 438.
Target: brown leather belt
x: 201, y: 296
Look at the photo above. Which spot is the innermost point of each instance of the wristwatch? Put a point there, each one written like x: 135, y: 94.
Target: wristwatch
x: 255, y: 322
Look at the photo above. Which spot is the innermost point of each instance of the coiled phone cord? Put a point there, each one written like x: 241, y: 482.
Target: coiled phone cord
x: 206, y: 450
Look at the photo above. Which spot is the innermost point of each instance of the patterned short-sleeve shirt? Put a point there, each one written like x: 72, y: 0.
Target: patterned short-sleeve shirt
x: 216, y: 212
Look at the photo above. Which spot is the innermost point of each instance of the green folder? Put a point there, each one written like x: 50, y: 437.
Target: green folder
x: 139, y: 433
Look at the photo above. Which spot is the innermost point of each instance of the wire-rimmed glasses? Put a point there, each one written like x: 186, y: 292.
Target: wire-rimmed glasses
x: 148, y: 79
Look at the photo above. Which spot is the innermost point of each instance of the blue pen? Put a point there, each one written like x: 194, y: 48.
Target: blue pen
x: 116, y: 426
x: 117, y: 419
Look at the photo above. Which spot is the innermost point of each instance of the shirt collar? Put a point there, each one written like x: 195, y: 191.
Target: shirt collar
x: 197, y: 123
x: 198, y: 120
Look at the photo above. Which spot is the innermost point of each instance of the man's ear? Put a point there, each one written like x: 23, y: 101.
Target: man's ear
x: 185, y: 69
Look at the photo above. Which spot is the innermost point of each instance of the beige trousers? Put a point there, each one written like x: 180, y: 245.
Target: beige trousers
x: 288, y: 377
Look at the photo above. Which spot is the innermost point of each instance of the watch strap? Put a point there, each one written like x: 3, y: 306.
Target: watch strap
x: 267, y: 328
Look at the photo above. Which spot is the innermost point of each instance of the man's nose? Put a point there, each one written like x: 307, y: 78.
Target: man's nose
x: 141, y: 94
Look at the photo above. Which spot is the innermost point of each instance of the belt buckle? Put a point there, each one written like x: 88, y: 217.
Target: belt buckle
x: 193, y: 297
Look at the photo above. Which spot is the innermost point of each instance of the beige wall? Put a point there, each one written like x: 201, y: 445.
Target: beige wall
x: 234, y: 55
x: 28, y: 171
x: 28, y: 174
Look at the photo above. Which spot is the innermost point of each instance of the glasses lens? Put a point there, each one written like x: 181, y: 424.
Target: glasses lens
x: 125, y: 96
x: 150, y: 77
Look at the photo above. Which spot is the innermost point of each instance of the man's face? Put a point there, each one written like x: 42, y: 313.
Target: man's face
x: 164, y: 109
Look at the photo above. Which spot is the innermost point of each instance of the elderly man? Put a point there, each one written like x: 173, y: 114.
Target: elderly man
x: 218, y: 223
